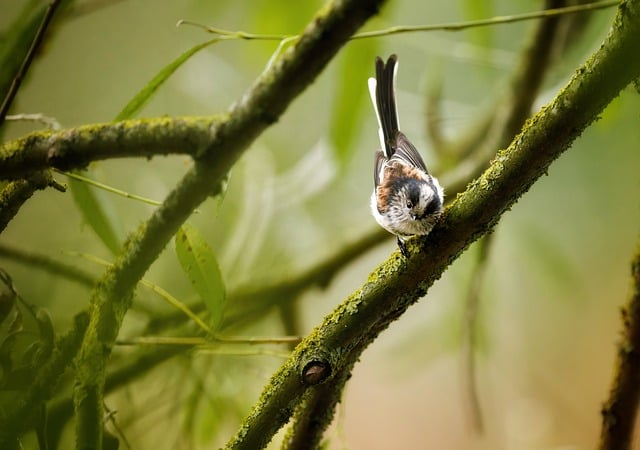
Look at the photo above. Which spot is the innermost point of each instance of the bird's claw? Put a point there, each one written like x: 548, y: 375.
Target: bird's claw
x: 403, y: 247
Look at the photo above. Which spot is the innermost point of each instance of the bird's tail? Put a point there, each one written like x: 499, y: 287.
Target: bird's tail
x: 383, y: 97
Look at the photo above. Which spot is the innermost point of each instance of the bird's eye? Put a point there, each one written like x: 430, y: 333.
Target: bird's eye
x: 432, y: 207
x: 409, y: 204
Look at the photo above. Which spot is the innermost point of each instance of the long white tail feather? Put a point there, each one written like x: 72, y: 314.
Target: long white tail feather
x: 373, y: 85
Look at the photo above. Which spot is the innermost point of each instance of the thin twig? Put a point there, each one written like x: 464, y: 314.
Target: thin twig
x: 111, y: 418
x: 258, y: 340
x: 108, y: 188
x: 22, y: 71
x: 450, y: 26
x: 499, y: 20
x: 199, y: 341
x: 234, y: 34
x: 49, y: 122
x: 111, y: 189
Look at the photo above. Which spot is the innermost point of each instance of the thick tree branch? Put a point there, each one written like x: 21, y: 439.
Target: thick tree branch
x: 260, y: 107
x: 314, y: 414
x: 620, y: 411
x: 77, y: 147
x: 499, y: 129
x: 15, y: 193
x: 398, y: 283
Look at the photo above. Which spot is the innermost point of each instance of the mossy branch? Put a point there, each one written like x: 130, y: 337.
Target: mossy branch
x: 398, y: 283
x: 75, y: 148
x: 217, y: 145
x: 266, y: 100
x: 620, y: 410
x: 15, y: 193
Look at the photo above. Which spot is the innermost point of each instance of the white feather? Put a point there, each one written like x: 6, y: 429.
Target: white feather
x: 373, y: 84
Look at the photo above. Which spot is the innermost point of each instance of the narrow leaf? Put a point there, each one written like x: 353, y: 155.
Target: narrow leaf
x: 200, y: 265
x: 137, y: 102
x: 91, y: 205
x: 93, y: 208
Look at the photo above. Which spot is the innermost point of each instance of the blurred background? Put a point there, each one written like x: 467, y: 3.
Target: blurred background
x: 556, y: 273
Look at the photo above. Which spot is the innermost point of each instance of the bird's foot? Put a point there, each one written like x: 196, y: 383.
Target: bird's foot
x: 403, y: 247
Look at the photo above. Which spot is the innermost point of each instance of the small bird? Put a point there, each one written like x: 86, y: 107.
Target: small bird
x: 406, y: 199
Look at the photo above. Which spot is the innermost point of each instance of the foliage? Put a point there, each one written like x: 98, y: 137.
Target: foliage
x: 239, y: 288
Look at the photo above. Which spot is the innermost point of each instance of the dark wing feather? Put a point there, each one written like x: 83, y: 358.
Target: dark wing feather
x: 380, y: 159
x: 406, y: 152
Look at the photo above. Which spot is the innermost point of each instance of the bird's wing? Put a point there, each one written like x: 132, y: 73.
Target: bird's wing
x: 378, y: 167
x: 406, y: 152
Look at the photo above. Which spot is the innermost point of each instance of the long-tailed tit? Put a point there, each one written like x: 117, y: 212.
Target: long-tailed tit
x: 406, y: 199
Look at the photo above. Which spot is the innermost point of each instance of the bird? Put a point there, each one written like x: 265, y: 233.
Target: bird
x: 406, y: 200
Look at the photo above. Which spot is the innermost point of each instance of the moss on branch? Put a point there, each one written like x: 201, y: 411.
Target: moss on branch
x: 398, y: 282
x: 75, y: 148
x: 15, y: 193
x: 217, y: 144
x: 621, y: 408
x: 266, y: 100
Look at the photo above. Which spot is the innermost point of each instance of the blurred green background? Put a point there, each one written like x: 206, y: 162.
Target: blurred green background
x: 558, y: 268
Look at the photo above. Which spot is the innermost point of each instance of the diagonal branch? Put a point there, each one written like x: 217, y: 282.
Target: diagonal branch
x: 398, y: 283
x: 266, y: 100
x: 225, y: 141
x: 620, y: 410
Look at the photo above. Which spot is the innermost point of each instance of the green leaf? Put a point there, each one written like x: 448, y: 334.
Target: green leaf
x: 200, y: 265
x: 93, y: 208
x: 352, y: 96
x: 137, y: 102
